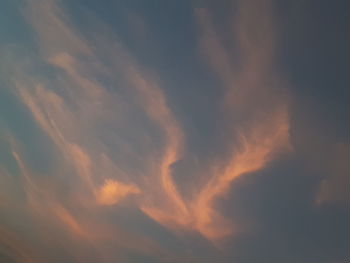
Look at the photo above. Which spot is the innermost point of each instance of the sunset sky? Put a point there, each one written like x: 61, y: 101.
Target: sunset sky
x: 174, y: 131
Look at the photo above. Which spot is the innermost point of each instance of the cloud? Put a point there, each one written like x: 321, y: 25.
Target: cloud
x: 75, y: 110
x: 47, y: 17
x: 334, y: 188
x: 255, y: 103
x: 15, y: 249
x: 111, y: 192
x: 323, y: 147
x: 114, y: 134
x: 257, y: 107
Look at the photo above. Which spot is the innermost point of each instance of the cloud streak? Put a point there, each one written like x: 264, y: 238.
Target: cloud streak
x: 255, y: 104
x: 115, y: 138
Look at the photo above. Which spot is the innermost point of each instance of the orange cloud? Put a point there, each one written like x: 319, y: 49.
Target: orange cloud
x: 257, y: 106
x: 112, y: 192
x: 77, y: 107
x: 254, y: 150
x: 70, y: 222
x: 166, y: 203
x: 69, y: 110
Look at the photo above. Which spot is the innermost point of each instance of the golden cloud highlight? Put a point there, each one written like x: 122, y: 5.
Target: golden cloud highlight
x: 112, y: 192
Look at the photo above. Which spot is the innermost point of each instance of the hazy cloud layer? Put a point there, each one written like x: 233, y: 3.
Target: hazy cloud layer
x: 117, y: 177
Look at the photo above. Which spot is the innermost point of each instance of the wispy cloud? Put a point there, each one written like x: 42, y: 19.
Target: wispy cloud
x: 72, y: 110
x: 255, y: 104
x: 16, y: 249
x: 115, y: 139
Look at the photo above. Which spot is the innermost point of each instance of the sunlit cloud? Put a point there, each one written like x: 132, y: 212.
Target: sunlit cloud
x: 258, y: 110
x: 70, y: 110
x: 116, y: 140
x: 263, y: 132
x: 111, y: 192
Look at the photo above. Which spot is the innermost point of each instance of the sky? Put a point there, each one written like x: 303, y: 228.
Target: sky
x: 187, y: 131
